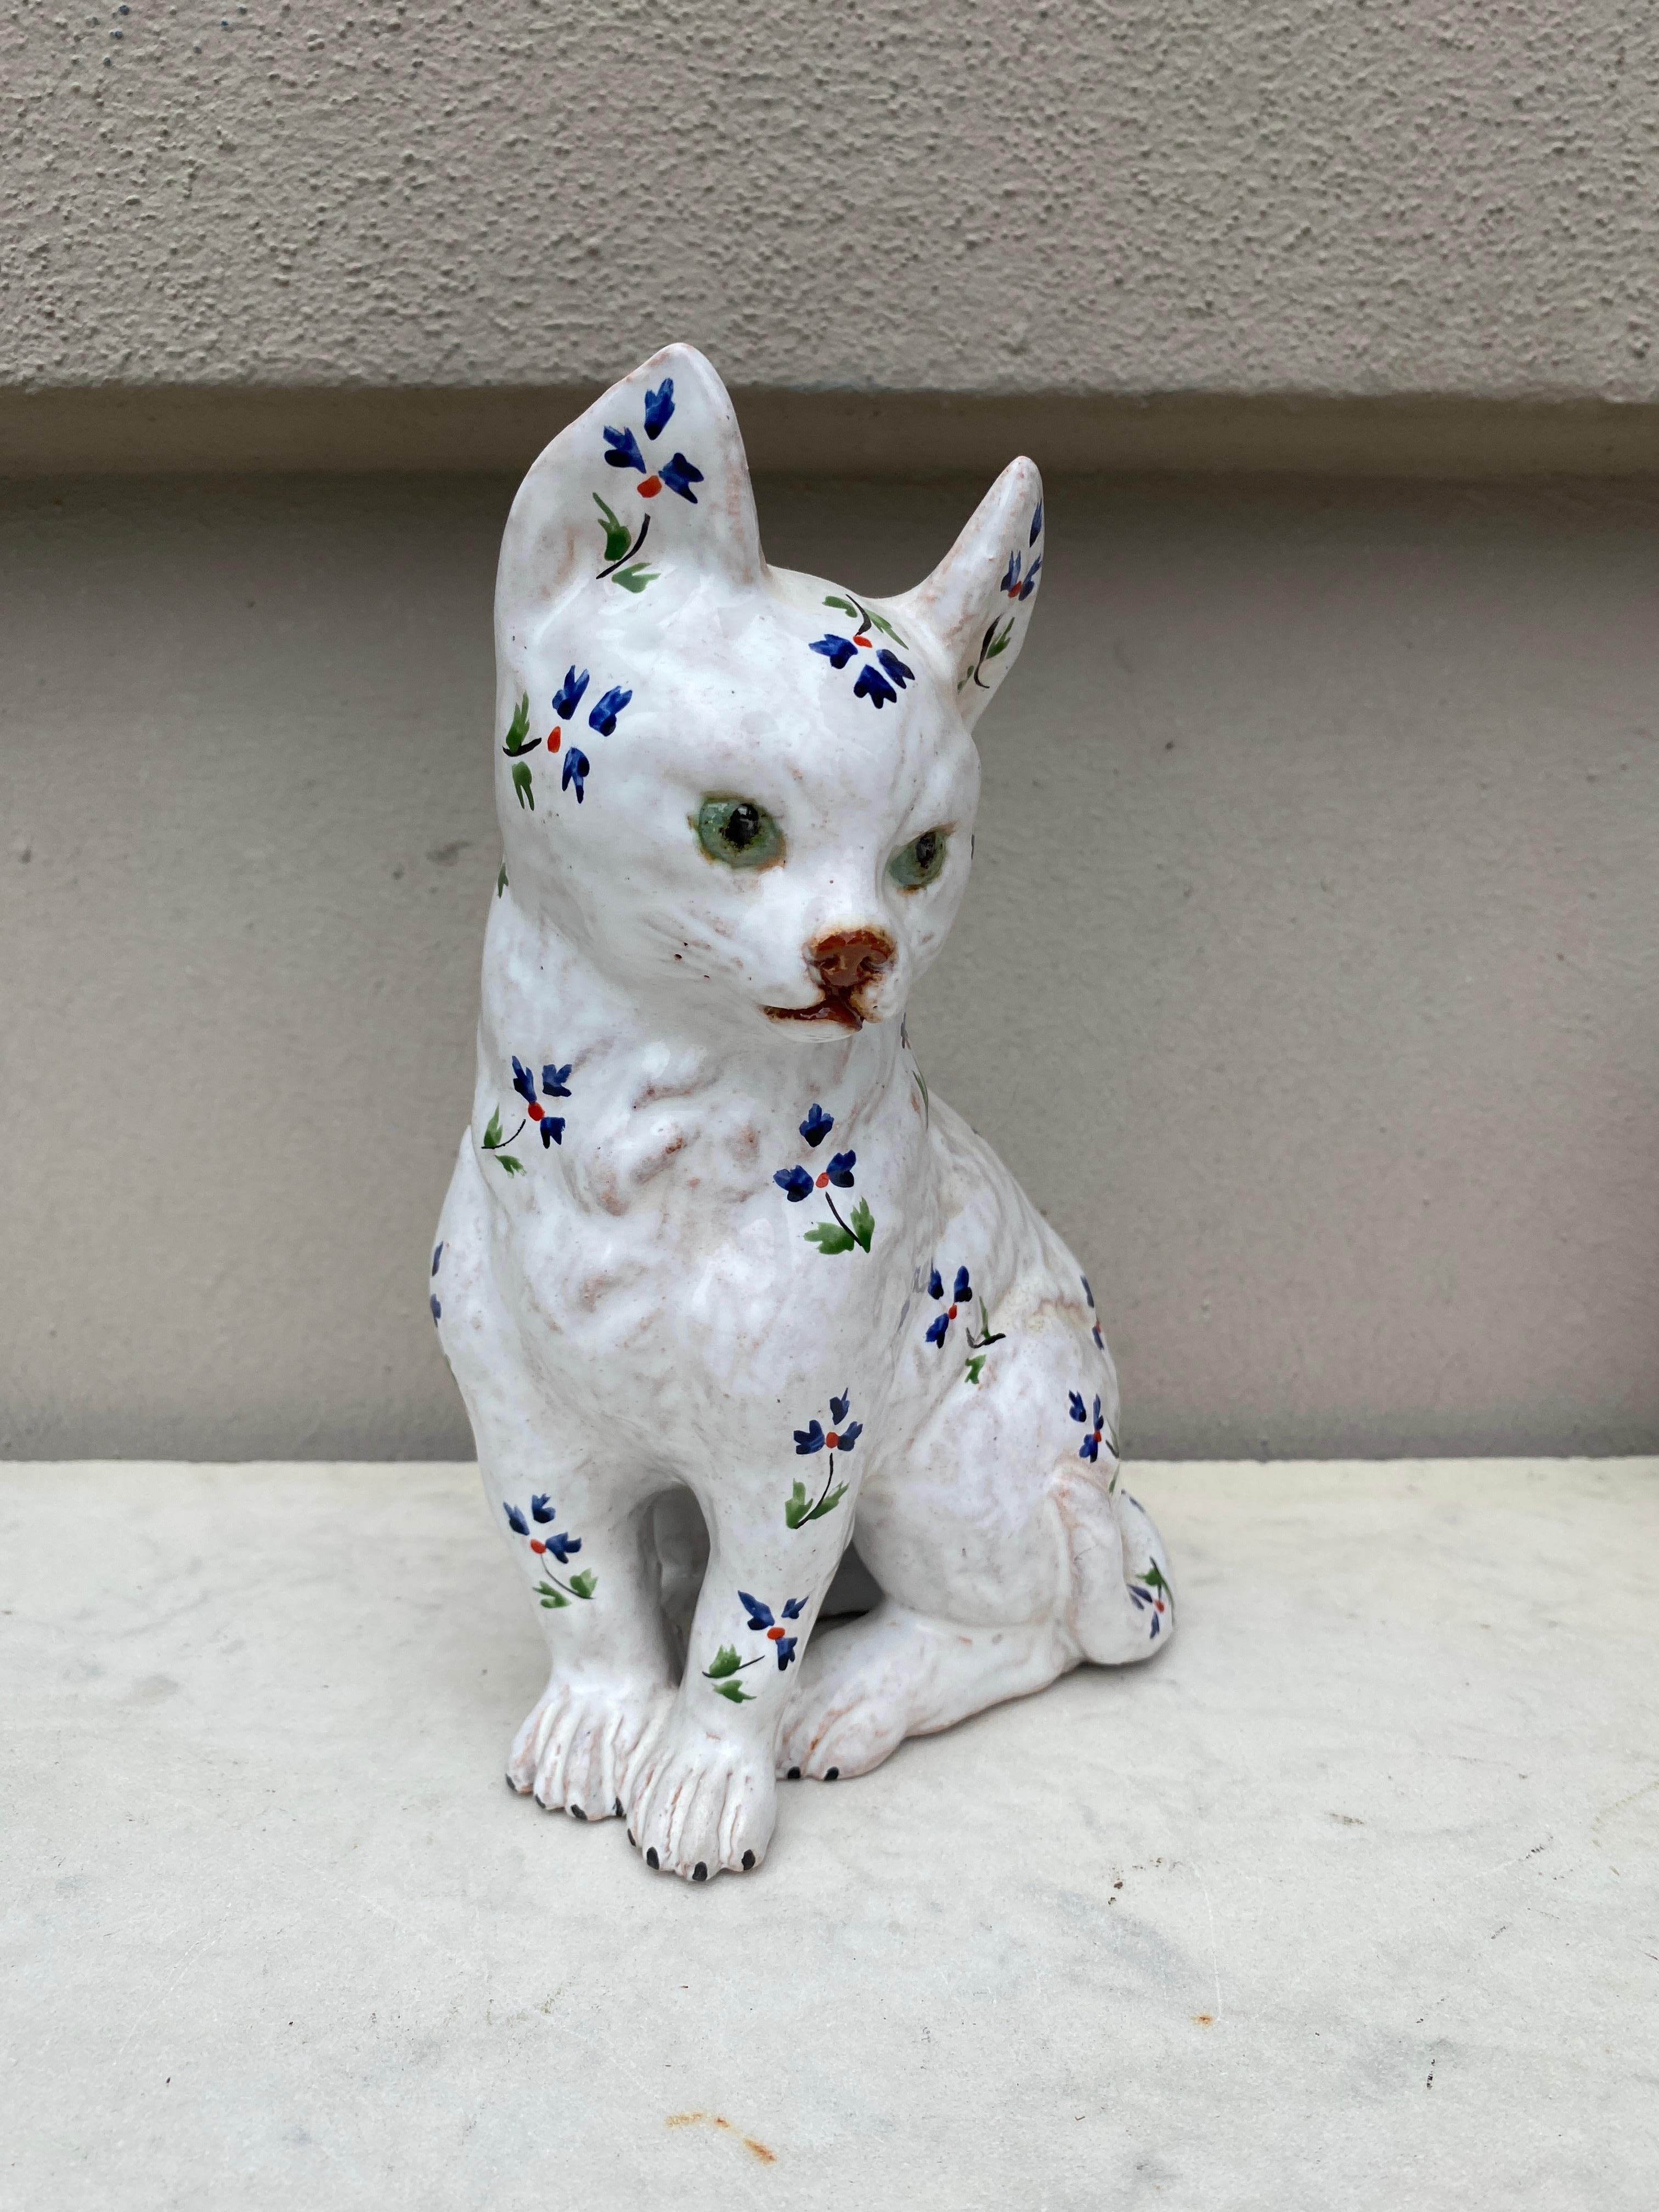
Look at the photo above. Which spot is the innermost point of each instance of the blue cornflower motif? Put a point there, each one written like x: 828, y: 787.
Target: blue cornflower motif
x: 841, y: 1168
x: 515, y: 1521
x: 576, y: 767
x: 761, y: 1617
x: 873, y: 686
x: 624, y: 451
x: 522, y: 1081
x: 658, y: 406
x: 1009, y: 583
x: 569, y: 697
x: 896, y: 668
x: 553, y: 1086
x: 558, y: 1547
x: 603, y: 716
x: 540, y: 1510
x: 1029, y: 585
x: 554, y: 1080
x: 1036, y: 524
x: 817, y: 1125
x: 961, y: 1291
x: 794, y: 1182
x: 1090, y: 1447
x: 812, y: 1438
x: 837, y: 651
x: 679, y: 475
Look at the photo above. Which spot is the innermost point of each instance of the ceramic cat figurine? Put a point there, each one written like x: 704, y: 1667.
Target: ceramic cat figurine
x: 709, y: 1238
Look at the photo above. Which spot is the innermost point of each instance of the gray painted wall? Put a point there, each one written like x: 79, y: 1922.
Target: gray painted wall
x: 1308, y: 976
x: 1147, y: 196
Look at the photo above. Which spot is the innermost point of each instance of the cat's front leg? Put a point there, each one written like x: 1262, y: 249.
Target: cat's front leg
x: 701, y: 1794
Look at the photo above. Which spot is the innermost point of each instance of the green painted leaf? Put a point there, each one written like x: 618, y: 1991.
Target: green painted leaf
x: 735, y: 1691
x: 554, y: 1599
x: 795, y: 1511
x: 1000, y: 644
x: 522, y: 786
x: 583, y: 1585
x: 506, y: 1160
x: 831, y: 1236
x: 921, y: 1082
x: 519, y: 728
x: 636, y: 576
x: 617, y: 533
x: 500, y: 880
x: 845, y: 606
x: 829, y: 1502
x: 864, y: 1223
x: 1153, y: 1576
x: 492, y: 1136
x: 887, y: 629
x: 725, y: 1661
x: 976, y: 1367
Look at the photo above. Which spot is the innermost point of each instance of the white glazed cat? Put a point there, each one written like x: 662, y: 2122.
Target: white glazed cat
x: 732, y: 1251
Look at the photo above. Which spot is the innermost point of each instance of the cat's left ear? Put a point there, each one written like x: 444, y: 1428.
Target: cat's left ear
x: 651, y: 479
x: 975, y: 606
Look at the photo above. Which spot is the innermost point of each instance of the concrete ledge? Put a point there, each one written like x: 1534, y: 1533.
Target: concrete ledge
x: 205, y: 428
x: 1350, y: 1899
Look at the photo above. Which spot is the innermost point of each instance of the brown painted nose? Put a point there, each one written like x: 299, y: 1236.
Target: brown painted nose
x: 848, y: 957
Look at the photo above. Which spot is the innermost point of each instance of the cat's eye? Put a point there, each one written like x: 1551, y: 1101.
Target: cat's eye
x: 739, y: 832
x: 922, y: 861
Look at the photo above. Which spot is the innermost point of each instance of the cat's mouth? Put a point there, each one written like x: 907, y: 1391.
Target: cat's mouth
x: 836, y: 1006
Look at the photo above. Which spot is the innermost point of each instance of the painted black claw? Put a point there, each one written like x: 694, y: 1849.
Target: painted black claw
x: 832, y: 1773
x: 651, y: 1858
x: 617, y: 1810
x: 576, y: 1811
x: 700, y: 1872
x: 630, y: 1838
x: 794, y: 1774
x: 748, y: 1861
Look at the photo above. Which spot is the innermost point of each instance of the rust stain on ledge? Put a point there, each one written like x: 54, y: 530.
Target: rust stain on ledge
x: 713, y: 2120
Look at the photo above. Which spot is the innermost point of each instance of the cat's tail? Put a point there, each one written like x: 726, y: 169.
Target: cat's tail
x: 1120, y: 1606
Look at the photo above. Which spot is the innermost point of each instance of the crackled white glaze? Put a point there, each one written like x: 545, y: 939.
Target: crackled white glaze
x: 736, y: 1287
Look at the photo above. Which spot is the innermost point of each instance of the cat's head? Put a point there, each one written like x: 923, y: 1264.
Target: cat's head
x: 747, y: 788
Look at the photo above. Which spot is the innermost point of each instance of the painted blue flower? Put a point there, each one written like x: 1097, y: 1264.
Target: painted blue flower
x: 1036, y: 524
x: 552, y: 1128
x: 837, y: 651
x: 961, y: 1291
x: 1029, y: 585
x: 624, y: 451
x: 896, y: 668
x: 540, y: 1510
x: 1009, y: 583
x: 1012, y: 585
x: 554, y: 1080
x: 522, y: 1081
x: 760, y: 1616
x: 603, y: 717
x: 840, y: 1169
x: 569, y: 697
x: 817, y: 1125
x: 679, y: 475
x: 812, y: 1438
x: 873, y: 686
x: 1090, y: 1447
x: 437, y: 1255
x: 560, y: 1546
x: 658, y: 406
x: 515, y: 1521
x: 576, y: 767
x: 795, y: 1183
x: 437, y: 1310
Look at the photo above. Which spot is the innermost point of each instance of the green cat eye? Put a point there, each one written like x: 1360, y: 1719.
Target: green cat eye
x: 922, y: 861
x: 739, y: 832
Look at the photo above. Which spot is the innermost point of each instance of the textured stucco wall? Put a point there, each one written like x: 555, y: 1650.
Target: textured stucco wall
x: 1183, y: 196
x: 1308, y: 974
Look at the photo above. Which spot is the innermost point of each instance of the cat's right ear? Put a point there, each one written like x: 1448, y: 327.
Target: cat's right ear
x: 652, y: 477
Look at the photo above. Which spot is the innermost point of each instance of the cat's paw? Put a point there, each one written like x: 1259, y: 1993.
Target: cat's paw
x: 698, y: 1805
x: 573, y: 1750
x: 848, y: 1713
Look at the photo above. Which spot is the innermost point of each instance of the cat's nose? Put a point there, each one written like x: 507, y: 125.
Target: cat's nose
x: 844, y: 958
